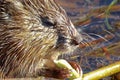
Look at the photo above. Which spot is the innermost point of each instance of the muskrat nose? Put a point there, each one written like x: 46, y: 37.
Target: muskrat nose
x: 76, y: 37
x: 76, y: 40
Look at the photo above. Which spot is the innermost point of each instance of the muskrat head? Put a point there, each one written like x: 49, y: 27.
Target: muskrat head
x: 56, y: 18
x: 42, y: 15
x: 52, y: 16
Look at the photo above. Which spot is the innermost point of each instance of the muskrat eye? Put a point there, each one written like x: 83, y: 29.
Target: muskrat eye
x: 47, y: 22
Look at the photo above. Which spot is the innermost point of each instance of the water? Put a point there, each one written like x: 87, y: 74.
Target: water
x: 97, y: 18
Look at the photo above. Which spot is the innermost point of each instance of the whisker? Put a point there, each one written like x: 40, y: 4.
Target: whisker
x: 109, y: 33
x: 98, y: 36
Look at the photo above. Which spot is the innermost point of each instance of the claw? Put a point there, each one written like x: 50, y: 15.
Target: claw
x: 76, y: 67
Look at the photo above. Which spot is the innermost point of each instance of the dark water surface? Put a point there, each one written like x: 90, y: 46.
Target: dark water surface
x: 97, y: 18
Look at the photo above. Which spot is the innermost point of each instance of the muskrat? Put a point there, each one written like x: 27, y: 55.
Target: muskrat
x: 33, y: 33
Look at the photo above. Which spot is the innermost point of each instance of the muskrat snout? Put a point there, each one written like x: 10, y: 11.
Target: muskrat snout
x: 68, y: 44
x: 76, y: 38
x: 75, y: 42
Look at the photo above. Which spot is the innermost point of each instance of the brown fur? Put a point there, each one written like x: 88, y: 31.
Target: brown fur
x: 33, y: 32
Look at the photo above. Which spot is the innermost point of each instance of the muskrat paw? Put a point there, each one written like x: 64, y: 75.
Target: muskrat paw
x: 76, y: 66
x: 58, y: 73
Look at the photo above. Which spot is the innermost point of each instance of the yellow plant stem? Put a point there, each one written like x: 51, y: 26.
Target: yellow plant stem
x: 103, y: 72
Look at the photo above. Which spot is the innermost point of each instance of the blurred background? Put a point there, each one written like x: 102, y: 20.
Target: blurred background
x: 99, y: 23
